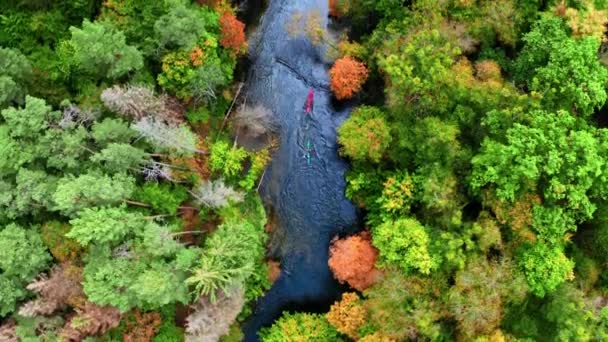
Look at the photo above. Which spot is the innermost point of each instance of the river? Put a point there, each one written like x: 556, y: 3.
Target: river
x: 305, y: 181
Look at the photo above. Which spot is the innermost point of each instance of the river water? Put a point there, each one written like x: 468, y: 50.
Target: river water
x: 305, y: 181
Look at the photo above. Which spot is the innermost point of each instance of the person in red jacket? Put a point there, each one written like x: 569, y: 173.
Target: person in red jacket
x: 310, y: 101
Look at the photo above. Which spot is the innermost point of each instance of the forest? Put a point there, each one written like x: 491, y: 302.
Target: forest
x: 132, y: 162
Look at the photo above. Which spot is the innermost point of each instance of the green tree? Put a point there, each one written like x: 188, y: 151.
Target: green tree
x: 99, y: 50
x: 22, y: 257
x: 365, y: 135
x: 15, y: 75
x: 91, y: 189
x: 545, y: 267
x: 112, y: 130
x: 119, y: 157
x: 538, y: 156
x: 227, y: 160
x: 105, y: 225
x: 565, y: 71
x: 404, y: 243
x: 30, y: 121
x: 184, y: 25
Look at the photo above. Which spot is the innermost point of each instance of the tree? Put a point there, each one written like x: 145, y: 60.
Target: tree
x: 564, y: 71
x: 136, y: 102
x: 119, y: 157
x: 91, y: 189
x: 412, y: 312
x: 418, y: 70
x: 22, y: 253
x: 534, y: 156
x: 178, y: 139
x: 212, y: 319
x: 480, y: 293
x: 353, y: 260
x: 255, y: 121
x: 347, y: 315
x: 347, y: 76
x: 91, y: 320
x: 365, y: 135
x: 545, y: 267
x: 299, y: 327
x: 112, y: 131
x: 216, y: 194
x: 54, y: 291
x: 22, y: 257
x: 184, y: 25
x: 101, y: 51
x: 226, y: 260
x: 30, y: 121
x: 105, y: 225
x: 15, y: 75
x: 125, y: 283
x: 232, y: 33
x: 225, y: 159
x: 403, y: 243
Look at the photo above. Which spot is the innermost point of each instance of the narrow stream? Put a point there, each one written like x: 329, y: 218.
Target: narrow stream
x: 305, y: 182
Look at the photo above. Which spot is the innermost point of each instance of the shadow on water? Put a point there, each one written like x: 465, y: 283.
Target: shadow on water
x: 305, y: 182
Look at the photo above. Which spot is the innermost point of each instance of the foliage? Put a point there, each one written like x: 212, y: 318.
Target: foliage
x: 353, y: 260
x: 164, y: 198
x: 480, y: 293
x: 347, y: 77
x: 15, y: 75
x: 537, y: 153
x: 347, y: 315
x: 212, y: 319
x: 125, y: 283
x: 299, y: 327
x: 563, y: 70
x: 91, y: 189
x: 406, y: 312
x: 61, y: 247
x: 216, y: 194
x: 225, y: 159
x: 165, y: 137
x: 22, y: 257
x: 365, y: 135
x: 232, y: 33
x: 99, y: 50
x: 184, y: 24
x: 119, y: 157
x: 403, y: 243
x: 545, y: 267
x: 55, y: 291
x: 104, y: 225
x: 226, y: 259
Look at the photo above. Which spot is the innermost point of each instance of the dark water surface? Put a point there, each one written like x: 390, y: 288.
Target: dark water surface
x: 307, y: 193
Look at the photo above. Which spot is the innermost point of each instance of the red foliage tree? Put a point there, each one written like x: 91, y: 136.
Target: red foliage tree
x: 347, y: 77
x: 352, y: 260
x: 232, y: 33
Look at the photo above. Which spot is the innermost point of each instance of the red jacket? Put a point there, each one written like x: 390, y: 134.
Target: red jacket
x: 309, y: 100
